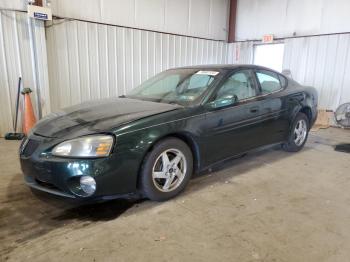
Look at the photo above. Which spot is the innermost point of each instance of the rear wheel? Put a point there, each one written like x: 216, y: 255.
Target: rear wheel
x: 298, y: 135
x: 166, y: 169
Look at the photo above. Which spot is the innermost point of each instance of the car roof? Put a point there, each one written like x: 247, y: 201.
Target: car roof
x: 226, y: 66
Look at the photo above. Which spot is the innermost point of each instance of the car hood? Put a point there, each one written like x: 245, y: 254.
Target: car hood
x: 97, y: 116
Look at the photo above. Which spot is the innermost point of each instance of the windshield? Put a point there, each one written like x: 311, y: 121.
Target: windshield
x: 180, y: 86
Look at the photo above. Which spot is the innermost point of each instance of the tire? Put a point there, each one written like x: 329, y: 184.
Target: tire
x: 166, y: 170
x: 294, y: 144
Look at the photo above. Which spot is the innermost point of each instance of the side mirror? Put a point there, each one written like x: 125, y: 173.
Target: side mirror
x: 223, y: 101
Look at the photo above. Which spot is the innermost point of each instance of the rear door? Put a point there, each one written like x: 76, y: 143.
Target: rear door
x: 273, y: 106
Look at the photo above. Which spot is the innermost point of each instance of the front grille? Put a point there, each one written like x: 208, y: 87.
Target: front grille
x: 30, y: 147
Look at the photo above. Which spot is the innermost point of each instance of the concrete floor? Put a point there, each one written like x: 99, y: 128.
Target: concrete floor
x: 267, y: 206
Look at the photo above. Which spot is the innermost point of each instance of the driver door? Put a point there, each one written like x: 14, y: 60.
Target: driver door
x: 232, y: 129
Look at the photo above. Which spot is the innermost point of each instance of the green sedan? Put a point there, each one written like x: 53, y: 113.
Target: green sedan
x: 150, y: 142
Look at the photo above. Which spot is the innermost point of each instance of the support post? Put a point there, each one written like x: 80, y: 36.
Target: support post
x: 232, y: 21
x: 33, y: 50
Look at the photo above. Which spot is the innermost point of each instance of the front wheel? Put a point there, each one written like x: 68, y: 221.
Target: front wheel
x: 166, y: 169
x: 298, y: 134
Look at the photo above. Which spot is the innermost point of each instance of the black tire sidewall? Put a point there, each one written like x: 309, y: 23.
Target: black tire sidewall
x: 290, y: 145
x: 148, y: 188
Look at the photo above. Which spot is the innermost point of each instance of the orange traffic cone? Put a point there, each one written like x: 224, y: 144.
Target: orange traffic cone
x: 29, y: 117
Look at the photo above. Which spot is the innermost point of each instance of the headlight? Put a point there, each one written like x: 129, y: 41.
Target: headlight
x: 88, y: 146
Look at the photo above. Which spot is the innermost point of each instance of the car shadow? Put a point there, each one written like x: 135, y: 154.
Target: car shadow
x: 36, y: 213
x: 238, y: 166
x: 98, y: 211
x: 27, y: 214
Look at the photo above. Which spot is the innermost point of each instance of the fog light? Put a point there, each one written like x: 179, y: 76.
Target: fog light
x: 88, y: 185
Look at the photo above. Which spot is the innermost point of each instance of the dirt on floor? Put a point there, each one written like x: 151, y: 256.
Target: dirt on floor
x: 267, y: 206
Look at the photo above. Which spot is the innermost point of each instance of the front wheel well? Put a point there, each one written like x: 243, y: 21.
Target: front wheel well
x: 187, y: 139
x: 307, y: 111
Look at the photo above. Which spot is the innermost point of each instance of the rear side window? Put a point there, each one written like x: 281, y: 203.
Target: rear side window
x: 269, y: 81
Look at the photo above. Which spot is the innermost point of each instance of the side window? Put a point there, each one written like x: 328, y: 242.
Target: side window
x: 269, y: 81
x: 240, y: 84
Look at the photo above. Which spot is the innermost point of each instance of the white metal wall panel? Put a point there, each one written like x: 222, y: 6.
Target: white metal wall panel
x: 197, y: 18
x: 286, y: 18
x: 322, y: 62
x: 240, y: 53
x: 13, y: 4
x: 16, y: 59
x: 5, y: 97
x: 91, y: 61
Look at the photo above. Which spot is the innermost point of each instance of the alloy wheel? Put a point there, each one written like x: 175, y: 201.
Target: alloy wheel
x: 300, y: 132
x: 169, y: 170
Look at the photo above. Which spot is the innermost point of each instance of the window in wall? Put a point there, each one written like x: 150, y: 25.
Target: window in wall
x: 269, y: 55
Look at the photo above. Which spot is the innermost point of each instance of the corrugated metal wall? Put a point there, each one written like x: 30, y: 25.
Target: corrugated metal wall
x: 322, y: 62
x: 241, y: 52
x: 319, y: 61
x: 195, y: 18
x: 91, y: 61
x: 16, y: 59
x: 290, y: 18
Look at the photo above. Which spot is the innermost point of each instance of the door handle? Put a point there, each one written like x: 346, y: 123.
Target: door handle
x: 254, y: 109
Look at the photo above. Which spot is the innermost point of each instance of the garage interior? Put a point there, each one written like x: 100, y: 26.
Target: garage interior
x: 268, y: 205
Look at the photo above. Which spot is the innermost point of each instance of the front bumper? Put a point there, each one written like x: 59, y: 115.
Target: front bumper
x: 115, y: 176
x: 46, y: 187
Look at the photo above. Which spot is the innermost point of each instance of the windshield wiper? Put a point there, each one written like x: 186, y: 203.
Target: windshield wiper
x: 173, y: 102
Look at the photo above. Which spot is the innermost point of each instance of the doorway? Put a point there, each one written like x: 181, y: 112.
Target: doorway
x: 269, y: 55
